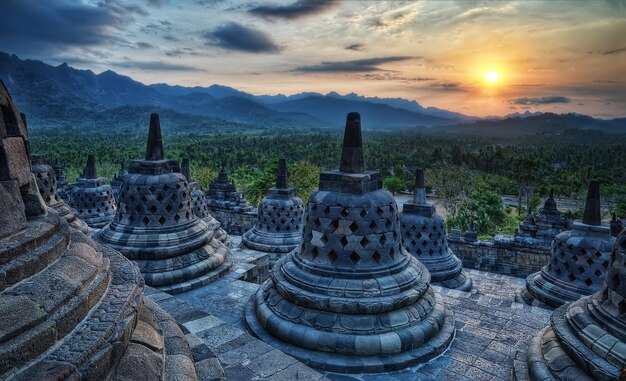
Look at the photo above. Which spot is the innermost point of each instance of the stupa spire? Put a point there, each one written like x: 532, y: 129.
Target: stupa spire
x: 154, y: 151
x: 419, y: 194
x: 90, y: 167
x: 592, y: 214
x: 281, y: 177
x: 352, y: 151
x: 184, y: 168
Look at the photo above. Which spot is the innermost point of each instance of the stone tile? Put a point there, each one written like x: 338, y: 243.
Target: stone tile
x: 238, y: 372
x: 202, y: 324
x: 270, y: 363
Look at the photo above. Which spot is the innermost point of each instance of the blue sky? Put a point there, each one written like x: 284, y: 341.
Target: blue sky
x: 562, y: 56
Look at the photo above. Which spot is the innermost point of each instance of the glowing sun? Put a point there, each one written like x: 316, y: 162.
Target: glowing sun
x: 492, y: 76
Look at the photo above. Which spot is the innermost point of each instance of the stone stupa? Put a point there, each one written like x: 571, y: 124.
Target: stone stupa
x: 350, y: 298
x: 47, y: 183
x: 222, y: 194
x: 155, y: 224
x: 545, y: 225
x: 586, y: 339
x: 200, y: 207
x: 424, y: 237
x: 279, y: 227
x: 70, y: 309
x: 578, y: 262
x: 92, y: 198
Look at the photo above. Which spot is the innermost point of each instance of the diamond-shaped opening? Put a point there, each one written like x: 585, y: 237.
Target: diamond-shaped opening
x: 162, y: 220
x: 153, y: 209
x: 424, y: 243
x: 382, y: 240
x: 333, y: 225
x: 581, y: 269
x: 137, y: 208
x: 376, y: 256
x: 344, y: 241
x: 152, y: 189
x: 354, y: 227
x: 380, y: 211
x: 345, y: 212
x: 355, y: 257
x: 571, y: 277
x: 597, y: 273
x: 363, y: 213
x: 373, y: 225
x: 314, y: 252
x: 159, y: 197
x: 146, y: 220
x: 598, y: 254
x: 176, y: 217
x: 566, y: 265
x: 588, y: 281
x: 364, y: 241
x: 332, y: 256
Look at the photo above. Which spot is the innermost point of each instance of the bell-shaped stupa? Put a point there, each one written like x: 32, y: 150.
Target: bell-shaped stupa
x: 200, y: 207
x: 222, y: 194
x: 70, y: 309
x: 155, y: 224
x: 545, y: 225
x: 281, y: 213
x: 578, y: 262
x: 424, y: 237
x: 47, y: 184
x: 92, y: 198
x: 586, y: 339
x: 350, y: 298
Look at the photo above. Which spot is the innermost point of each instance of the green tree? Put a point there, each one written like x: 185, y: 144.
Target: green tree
x: 393, y: 184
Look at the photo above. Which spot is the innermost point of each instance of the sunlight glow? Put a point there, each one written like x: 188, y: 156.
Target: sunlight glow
x: 492, y: 76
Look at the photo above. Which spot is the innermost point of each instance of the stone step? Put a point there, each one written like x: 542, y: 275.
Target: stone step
x: 93, y: 347
x: 32, y: 250
x: 200, y: 281
x: 222, y: 350
x: 157, y: 350
x: 50, y: 304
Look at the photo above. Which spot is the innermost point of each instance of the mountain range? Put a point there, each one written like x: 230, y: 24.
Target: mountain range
x: 56, y: 95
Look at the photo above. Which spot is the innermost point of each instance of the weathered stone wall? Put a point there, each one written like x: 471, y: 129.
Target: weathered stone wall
x: 234, y: 223
x: 515, y: 259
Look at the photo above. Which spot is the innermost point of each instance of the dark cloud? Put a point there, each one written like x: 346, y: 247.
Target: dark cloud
x: 144, y: 45
x: 356, y: 66
x: 356, y: 47
x: 163, y: 26
x: 393, y: 76
x: 36, y: 27
x: 233, y: 36
x: 156, y: 3
x: 535, y: 101
x: 447, y: 86
x: 299, y: 9
x: 155, y: 66
x: 615, y: 51
x: 177, y: 52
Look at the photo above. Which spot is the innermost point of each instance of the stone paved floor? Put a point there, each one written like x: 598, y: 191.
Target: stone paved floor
x: 489, y: 328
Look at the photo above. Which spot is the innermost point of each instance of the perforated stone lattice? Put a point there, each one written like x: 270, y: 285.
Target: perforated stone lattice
x: 280, y: 216
x: 428, y: 239
x: 94, y: 201
x: 166, y: 203
x: 47, y: 183
x: 351, y: 236
x: 583, y: 266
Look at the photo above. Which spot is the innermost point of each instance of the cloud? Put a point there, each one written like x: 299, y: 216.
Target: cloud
x: 615, y: 51
x: 156, y: 3
x: 535, y: 101
x: 154, y: 28
x: 177, y: 52
x: 447, y: 86
x: 355, y: 66
x: 233, y: 36
x: 299, y: 9
x: 33, y: 26
x: 155, y: 66
x: 144, y: 45
x: 356, y: 47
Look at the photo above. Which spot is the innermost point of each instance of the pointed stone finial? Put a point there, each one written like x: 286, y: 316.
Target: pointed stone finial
x: 552, y: 193
x: 352, y: 152
x: 281, y: 178
x: 154, y: 151
x: 184, y: 168
x: 614, y: 217
x: 23, y: 116
x: 90, y: 168
x: 419, y: 194
x: 592, y: 214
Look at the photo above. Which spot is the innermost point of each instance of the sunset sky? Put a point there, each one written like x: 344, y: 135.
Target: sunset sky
x: 475, y: 57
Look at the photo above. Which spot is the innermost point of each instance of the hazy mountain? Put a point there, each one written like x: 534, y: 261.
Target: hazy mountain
x: 543, y: 123
x: 62, y: 95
